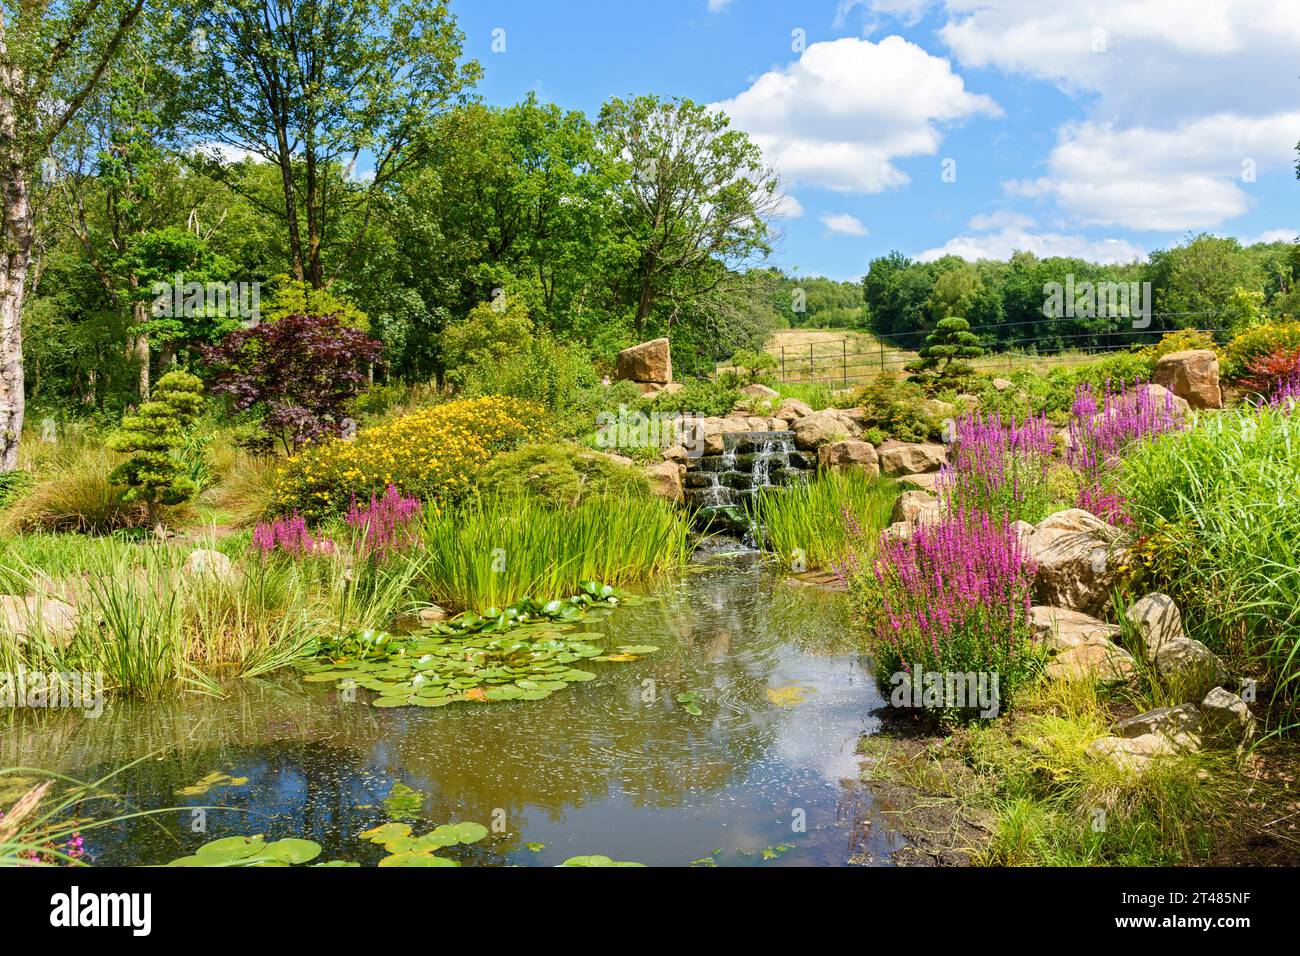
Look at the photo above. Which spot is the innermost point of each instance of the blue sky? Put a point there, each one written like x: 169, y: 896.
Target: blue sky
x: 1100, y: 128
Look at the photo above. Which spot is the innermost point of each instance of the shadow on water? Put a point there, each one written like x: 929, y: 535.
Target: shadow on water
x: 616, y: 766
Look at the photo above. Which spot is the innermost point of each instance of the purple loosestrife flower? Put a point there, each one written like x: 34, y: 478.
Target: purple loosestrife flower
x: 1101, y: 427
x: 997, y: 466
x: 388, y: 524
x: 289, y: 535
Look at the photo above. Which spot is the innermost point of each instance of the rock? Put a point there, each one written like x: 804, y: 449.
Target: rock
x: 676, y: 453
x: 899, y: 531
x: 1132, y: 753
x: 928, y: 482
x: 672, y: 388
x: 910, y: 505
x: 1023, y: 530
x: 1157, y: 621
x: 204, y: 561
x: 26, y: 615
x: 849, y: 454
x: 1061, y: 628
x: 666, y: 480
x: 610, y: 456
x: 759, y: 391
x: 821, y: 428
x: 1078, y: 561
x: 1099, y: 659
x: 911, y: 458
x: 938, y: 410
x: 1002, y: 384
x: 1193, y: 375
x: 648, y: 362
x: 1227, y: 719
x: 792, y: 408
x: 1180, y: 725
x: 649, y: 388
x: 1190, y: 666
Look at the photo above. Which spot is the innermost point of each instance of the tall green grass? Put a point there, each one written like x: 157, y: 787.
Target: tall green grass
x: 1220, y: 506
x: 493, y: 551
x: 812, y: 522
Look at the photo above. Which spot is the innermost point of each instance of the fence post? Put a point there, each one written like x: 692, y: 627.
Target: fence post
x: 783, y: 363
x: 882, y: 356
x: 844, y: 360
x: 812, y: 369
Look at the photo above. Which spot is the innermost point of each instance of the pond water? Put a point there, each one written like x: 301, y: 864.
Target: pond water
x: 615, y: 766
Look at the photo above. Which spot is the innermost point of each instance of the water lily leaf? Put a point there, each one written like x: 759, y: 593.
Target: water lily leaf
x: 402, y: 802
x: 386, y: 832
x: 320, y: 678
x: 337, y: 863
x: 638, y: 648
x: 534, y: 847
x: 229, y: 849
x: 576, y: 675
x: 293, y: 850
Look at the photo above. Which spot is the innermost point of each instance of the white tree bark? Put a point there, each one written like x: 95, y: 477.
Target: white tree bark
x: 15, y: 256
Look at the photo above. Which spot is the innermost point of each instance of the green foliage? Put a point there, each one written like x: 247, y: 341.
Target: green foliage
x: 1219, y: 506
x: 753, y: 364
x: 152, y: 436
x: 561, y: 475
x: 491, y: 332
x: 896, y: 408
x: 553, y: 374
x: 1256, y: 343
x: 496, y: 551
x: 950, y: 341
x: 807, y: 525
x: 697, y: 396
x: 286, y: 296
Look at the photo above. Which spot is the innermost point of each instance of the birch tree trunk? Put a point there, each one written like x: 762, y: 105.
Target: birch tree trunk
x: 16, y: 229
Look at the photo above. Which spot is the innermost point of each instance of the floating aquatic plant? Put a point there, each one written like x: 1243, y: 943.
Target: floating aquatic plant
x: 255, y: 851
x: 521, y: 653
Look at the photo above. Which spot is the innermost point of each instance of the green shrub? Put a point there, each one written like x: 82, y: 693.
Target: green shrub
x: 152, y: 437
x: 897, y: 409
x: 561, y: 475
x: 697, y: 396
x: 1255, y: 344
x: 540, y: 370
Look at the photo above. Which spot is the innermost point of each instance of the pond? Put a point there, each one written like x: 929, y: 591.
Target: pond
x: 764, y: 774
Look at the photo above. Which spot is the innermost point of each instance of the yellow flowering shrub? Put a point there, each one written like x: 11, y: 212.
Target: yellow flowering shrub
x: 434, y: 453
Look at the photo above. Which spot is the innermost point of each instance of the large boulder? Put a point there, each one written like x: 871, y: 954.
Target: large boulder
x: 822, y: 428
x: 1227, y: 719
x: 1192, y: 374
x: 1078, y: 560
x: 648, y: 362
x: 1180, y: 725
x: 1190, y: 667
x: 667, y: 480
x: 910, y: 506
x: 34, y: 614
x: 1134, y: 754
x: 758, y: 390
x: 850, y: 455
x: 1157, y: 621
x: 1163, y: 397
x: 911, y: 458
x: 1083, y: 647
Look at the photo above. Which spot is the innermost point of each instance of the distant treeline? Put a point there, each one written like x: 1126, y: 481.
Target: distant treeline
x: 1048, y: 305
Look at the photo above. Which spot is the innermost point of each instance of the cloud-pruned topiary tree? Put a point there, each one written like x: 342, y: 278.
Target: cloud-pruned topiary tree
x: 152, y: 473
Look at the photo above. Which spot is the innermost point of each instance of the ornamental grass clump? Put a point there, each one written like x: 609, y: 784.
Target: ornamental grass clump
x: 1000, y: 466
x: 952, y: 599
x: 1102, y: 426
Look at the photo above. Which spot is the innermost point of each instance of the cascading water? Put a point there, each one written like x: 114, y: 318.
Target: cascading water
x: 719, y: 486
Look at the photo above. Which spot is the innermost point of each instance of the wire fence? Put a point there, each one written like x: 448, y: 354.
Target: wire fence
x: 844, y: 362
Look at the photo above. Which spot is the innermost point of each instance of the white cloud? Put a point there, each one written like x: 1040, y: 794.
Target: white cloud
x: 847, y: 108
x: 788, y: 207
x: 1270, y: 235
x: 1190, y: 177
x: 1146, y: 59
x: 843, y: 224
x: 1001, y: 244
x: 226, y: 153
x: 716, y: 5
x: 1001, y: 219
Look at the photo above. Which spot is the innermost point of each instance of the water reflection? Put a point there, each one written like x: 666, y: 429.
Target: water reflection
x: 614, y: 766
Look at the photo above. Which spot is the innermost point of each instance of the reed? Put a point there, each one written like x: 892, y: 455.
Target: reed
x: 809, y: 526
x: 493, y: 551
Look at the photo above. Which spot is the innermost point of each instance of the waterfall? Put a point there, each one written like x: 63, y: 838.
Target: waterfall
x: 719, y: 486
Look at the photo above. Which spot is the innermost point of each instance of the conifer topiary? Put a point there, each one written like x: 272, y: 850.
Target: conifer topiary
x: 150, y: 437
